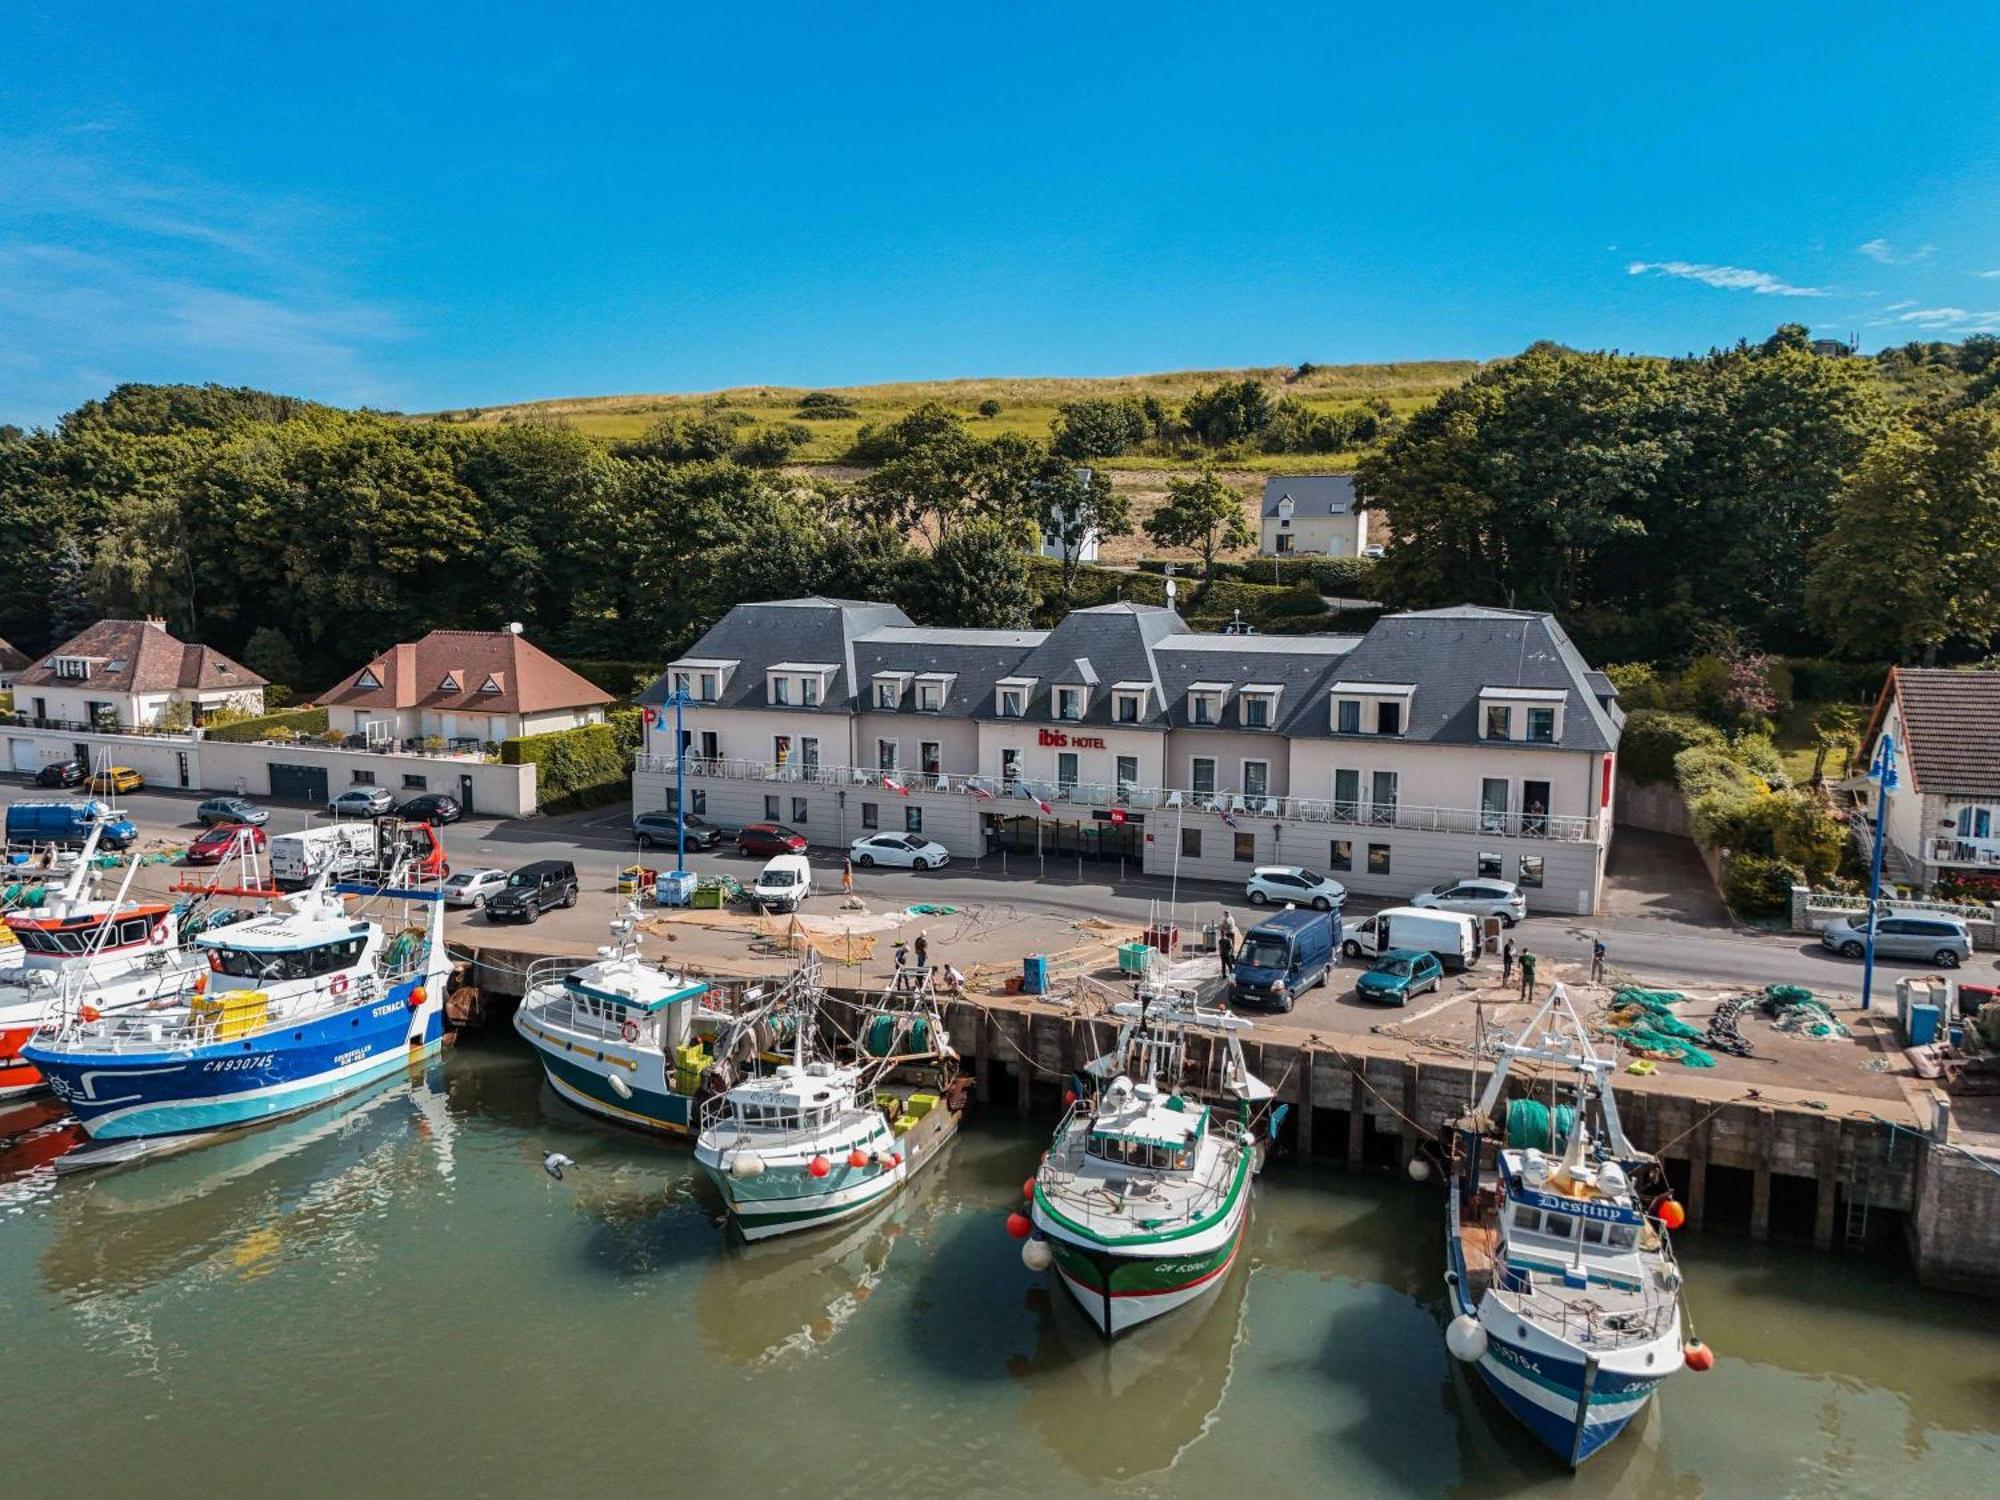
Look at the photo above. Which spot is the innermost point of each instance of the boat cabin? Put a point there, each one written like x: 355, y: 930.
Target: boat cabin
x: 83, y: 934
x: 793, y: 1098
x: 310, y: 948
x: 1582, y: 1224
x: 626, y: 998
x: 1146, y: 1129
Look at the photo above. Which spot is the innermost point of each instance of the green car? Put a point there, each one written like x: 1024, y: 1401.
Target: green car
x: 1399, y: 974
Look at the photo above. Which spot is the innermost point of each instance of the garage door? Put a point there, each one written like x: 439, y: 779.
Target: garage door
x: 301, y: 783
x: 22, y: 757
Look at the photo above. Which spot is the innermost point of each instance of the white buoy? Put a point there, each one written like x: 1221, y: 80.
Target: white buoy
x: 1036, y: 1254
x: 1420, y: 1169
x: 620, y: 1087
x: 746, y: 1164
x: 1465, y: 1338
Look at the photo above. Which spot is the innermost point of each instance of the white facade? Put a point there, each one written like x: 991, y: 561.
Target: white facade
x: 1291, y: 532
x: 84, y: 704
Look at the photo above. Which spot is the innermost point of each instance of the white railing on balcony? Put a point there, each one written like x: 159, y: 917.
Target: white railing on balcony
x: 1363, y: 813
x: 1949, y: 850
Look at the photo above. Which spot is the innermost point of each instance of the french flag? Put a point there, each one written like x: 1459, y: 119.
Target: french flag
x: 1021, y: 787
x: 894, y: 785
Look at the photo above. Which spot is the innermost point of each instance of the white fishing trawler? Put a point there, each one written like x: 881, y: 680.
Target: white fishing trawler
x: 1143, y: 1198
x: 817, y: 1140
x: 1563, y: 1284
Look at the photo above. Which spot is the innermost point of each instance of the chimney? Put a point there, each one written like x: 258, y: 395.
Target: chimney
x: 156, y: 622
x: 515, y: 628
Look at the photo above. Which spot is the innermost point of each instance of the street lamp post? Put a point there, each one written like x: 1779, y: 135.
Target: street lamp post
x: 1883, y: 774
x: 678, y: 699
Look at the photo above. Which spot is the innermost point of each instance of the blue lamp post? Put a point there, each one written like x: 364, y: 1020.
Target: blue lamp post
x: 1883, y: 774
x: 677, y: 700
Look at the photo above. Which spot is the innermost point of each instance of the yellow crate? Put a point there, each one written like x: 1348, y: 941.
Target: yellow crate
x: 234, y: 1012
x: 922, y: 1104
x: 904, y: 1124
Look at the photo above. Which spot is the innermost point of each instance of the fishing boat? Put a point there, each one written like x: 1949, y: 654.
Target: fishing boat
x: 626, y: 1038
x: 1143, y: 1198
x: 1564, y: 1290
x: 818, y: 1140
x: 77, y: 951
x: 297, y: 1006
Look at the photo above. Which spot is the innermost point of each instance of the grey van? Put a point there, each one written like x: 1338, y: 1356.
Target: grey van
x: 1944, y: 941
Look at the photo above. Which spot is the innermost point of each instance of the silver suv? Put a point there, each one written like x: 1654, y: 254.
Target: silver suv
x: 1944, y: 941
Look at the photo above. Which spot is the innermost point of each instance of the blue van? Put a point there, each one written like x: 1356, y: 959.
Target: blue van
x: 1284, y: 955
x: 67, y: 824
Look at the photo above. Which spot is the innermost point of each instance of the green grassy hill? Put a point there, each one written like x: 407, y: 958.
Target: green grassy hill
x: 1027, y: 406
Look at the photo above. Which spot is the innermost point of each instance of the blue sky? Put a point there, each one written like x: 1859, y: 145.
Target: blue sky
x: 439, y: 205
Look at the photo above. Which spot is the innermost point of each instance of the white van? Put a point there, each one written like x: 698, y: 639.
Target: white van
x: 1452, y: 936
x: 783, y: 883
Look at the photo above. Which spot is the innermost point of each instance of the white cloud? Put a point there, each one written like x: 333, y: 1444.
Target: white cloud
x: 1899, y: 306
x: 1956, y: 319
x: 1882, y: 250
x: 1727, y: 278
x: 1989, y: 275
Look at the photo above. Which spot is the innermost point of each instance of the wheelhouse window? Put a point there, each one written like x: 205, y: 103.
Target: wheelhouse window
x: 292, y: 963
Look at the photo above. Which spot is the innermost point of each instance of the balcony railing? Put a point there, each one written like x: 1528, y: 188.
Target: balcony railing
x: 1230, y: 806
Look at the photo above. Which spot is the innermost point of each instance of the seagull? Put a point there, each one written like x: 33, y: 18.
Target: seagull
x: 554, y: 1163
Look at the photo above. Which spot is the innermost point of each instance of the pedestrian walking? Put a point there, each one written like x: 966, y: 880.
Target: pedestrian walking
x: 1597, y: 960
x: 1507, y: 962
x: 847, y: 877
x: 1225, y: 942
x: 923, y: 950
x: 1527, y: 975
x: 902, y: 956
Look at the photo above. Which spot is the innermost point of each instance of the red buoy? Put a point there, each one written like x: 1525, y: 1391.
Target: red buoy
x: 1699, y: 1356
x: 1028, y: 1188
x: 1670, y: 1213
x: 819, y: 1166
x: 1018, y: 1225
x: 857, y: 1158
x: 1069, y: 1098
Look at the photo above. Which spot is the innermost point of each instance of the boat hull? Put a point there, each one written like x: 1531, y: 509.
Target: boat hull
x: 1546, y: 1395
x: 581, y: 1070
x: 137, y: 1095
x: 17, y: 1074
x: 1120, y: 1289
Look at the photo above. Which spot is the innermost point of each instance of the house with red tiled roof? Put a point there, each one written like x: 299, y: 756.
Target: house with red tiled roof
x: 1944, y: 812
x: 462, y: 686
x: 129, y: 674
x: 12, y: 662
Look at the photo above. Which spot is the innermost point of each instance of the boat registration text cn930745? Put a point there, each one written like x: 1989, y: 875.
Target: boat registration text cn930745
x: 238, y: 1064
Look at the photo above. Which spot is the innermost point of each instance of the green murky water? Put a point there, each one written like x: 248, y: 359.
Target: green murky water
x: 391, y: 1296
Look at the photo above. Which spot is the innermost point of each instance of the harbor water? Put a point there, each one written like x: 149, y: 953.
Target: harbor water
x: 392, y: 1295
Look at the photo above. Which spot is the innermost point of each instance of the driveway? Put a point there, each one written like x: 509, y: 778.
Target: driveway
x: 1660, y: 876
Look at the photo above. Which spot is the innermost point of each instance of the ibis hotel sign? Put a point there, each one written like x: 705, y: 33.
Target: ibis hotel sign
x: 1069, y: 741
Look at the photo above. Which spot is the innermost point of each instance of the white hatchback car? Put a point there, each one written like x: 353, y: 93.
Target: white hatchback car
x: 472, y: 887
x: 907, y: 850
x: 1477, y: 898
x: 1296, y: 885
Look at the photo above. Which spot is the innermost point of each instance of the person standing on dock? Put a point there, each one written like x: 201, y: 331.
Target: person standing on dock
x: 923, y: 950
x: 1225, y: 942
x: 902, y: 958
x: 1597, y: 960
x: 847, y: 877
x: 1527, y: 975
x: 1507, y: 962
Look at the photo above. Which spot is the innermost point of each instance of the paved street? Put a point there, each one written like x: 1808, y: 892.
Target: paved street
x: 1663, y: 940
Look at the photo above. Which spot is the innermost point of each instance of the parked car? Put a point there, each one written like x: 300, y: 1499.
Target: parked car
x: 1399, y: 974
x: 1375, y: 550
x: 1451, y: 935
x: 473, y: 888
x: 907, y: 850
x: 1296, y: 885
x: 67, y: 824
x: 361, y: 802
x: 1282, y: 956
x: 784, y: 883
x: 658, y: 830
x: 532, y: 890
x: 219, y: 810
x: 115, y: 780
x: 61, y: 773
x: 1944, y: 940
x: 768, y: 839
x: 430, y: 807
x: 217, y: 842
x: 1477, y: 898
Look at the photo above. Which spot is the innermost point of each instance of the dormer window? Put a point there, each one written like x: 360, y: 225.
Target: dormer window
x: 1010, y: 696
x: 450, y: 684
x: 1542, y: 726
x: 1388, y: 717
x: 1257, y: 705
x: 1205, y: 701
x: 1069, y: 703
x: 809, y: 691
x: 889, y: 688
x: 1128, y: 702
x: 930, y: 697
x: 1522, y: 713
x: 368, y: 681
x: 796, y: 682
x: 1380, y: 708
x: 76, y: 667
x: 885, y: 694
x: 489, y: 686
x: 781, y: 691
x: 1499, y: 721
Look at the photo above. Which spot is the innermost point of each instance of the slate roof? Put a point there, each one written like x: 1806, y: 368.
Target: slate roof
x: 447, y: 671
x: 977, y: 659
x: 1095, y: 647
x: 1303, y: 668
x: 758, y: 636
x: 1311, y: 495
x: 139, y: 656
x: 1450, y: 654
x: 1951, y: 728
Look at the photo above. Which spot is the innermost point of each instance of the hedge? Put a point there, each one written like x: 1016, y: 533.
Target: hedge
x: 268, y: 726
x: 1654, y: 737
x: 584, y: 767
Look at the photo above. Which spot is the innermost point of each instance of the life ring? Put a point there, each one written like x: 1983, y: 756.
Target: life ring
x: 629, y: 1030
x: 339, y: 985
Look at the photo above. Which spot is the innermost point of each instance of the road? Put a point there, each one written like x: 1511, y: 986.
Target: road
x: 1656, y: 949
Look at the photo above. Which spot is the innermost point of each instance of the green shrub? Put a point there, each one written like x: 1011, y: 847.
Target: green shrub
x: 1758, y: 753
x: 1757, y: 885
x: 1639, y: 686
x: 583, y: 767
x: 1653, y: 738
x: 310, y: 721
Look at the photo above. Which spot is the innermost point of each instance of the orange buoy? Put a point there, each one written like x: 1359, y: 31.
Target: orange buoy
x: 1670, y: 1213
x: 1699, y: 1356
x: 819, y: 1166
x: 1028, y: 1188
x: 1018, y: 1225
x: 857, y: 1157
x: 1069, y: 1098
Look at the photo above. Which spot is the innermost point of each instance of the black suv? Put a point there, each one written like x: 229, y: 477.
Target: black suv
x: 656, y: 830
x: 532, y: 890
x: 60, y: 773
x: 430, y: 807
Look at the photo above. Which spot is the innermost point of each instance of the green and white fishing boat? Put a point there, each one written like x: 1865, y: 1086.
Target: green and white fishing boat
x: 1143, y: 1199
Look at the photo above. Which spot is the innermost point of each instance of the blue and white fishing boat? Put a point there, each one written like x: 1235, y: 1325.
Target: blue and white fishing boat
x: 295, y: 1007
x: 1563, y: 1286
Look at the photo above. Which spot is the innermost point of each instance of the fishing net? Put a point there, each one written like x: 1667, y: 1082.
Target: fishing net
x: 1528, y: 1125
x: 1644, y: 1022
x: 1651, y: 999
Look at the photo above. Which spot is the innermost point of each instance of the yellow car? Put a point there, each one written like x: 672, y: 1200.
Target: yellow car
x: 115, y: 779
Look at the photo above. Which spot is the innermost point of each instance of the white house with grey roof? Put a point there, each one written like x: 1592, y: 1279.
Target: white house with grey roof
x: 1440, y: 744
x: 1312, y: 513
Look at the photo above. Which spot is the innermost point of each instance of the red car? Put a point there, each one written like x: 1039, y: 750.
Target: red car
x: 768, y: 839
x: 215, y: 843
